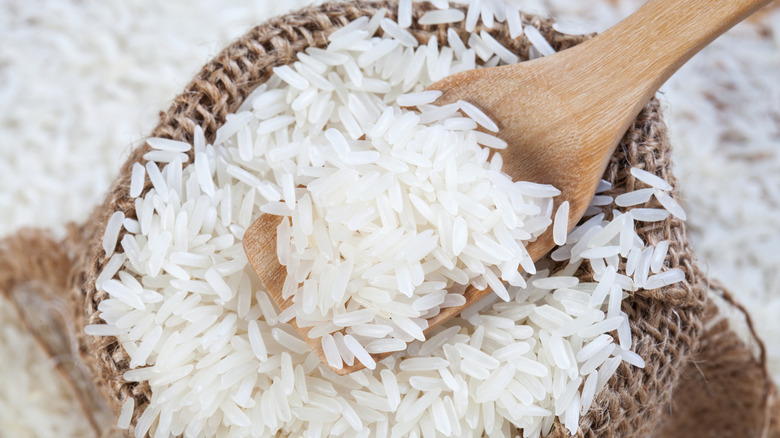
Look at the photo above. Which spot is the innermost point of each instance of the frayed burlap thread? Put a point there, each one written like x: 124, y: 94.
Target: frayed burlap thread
x: 665, y: 323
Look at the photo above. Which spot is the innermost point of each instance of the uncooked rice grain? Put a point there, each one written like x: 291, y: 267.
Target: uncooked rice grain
x: 126, y: 414
x: 650, y: 179
x: 561, y: 223
x: 442, y: 16
x: 537, y: 40
x: 649, y: 214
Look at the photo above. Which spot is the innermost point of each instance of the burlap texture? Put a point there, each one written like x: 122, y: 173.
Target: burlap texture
x: 726, y: 390
x: 666, y: 323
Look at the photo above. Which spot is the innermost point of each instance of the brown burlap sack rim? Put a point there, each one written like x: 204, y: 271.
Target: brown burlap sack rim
x: 665, y: 322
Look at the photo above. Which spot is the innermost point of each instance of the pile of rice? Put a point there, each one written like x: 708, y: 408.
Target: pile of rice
x: 200, y: 329
x: 396, y: 210
x: 44, y: 184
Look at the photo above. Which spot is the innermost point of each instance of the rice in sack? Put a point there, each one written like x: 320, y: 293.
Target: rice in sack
x: 220, y: 357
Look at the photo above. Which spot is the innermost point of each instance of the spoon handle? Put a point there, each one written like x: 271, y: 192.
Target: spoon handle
x: 636, y: 56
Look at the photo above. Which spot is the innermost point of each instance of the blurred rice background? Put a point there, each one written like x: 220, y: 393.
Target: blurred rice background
x: 81, y: 82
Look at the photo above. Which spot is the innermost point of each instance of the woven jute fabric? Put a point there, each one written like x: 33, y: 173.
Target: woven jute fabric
x: 666, y: 323
x: 726, y: 390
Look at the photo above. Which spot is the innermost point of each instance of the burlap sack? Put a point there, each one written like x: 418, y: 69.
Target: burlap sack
x: 665, y: 323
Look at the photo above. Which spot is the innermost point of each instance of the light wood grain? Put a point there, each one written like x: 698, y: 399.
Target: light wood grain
x: 562, y: 116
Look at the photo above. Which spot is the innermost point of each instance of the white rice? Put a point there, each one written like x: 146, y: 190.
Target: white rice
x: 164, y: 144
x: 290, y: 76
x: 477, y: 115
x: 110, y: 269
x: 137, y: 179
x: 670, y: 205
x: 659, y: 256
x: 665, y: 278
x: 556, y: 282
x: 472, y: 14
x: 111, y: 233
x: 222, y: 358
x: 102, y: 330
x: 442, y: 16
x: 405, y: 13
x: 649, y: 214
x: 513, y: 21
x: 636, y: 197
x: 418, y: 98
x: 561, y: 224
x: 126, y: 414
x: 650, y: 179
x: 502, y: 52
x: 395, y: 31
x: 537, y: 40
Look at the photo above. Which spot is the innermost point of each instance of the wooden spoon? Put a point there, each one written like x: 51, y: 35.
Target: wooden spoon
x: 562, y: 115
